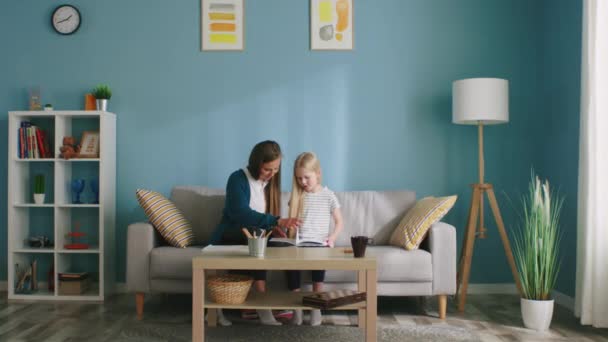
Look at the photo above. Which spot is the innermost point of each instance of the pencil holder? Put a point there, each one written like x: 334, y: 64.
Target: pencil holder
x: 257, y: 246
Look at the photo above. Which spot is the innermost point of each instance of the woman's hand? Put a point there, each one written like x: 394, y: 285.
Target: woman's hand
x: 278, y: 232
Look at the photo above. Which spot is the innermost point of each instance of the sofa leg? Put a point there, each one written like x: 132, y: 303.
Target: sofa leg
x: 139, y: 305
x: 443, y: 303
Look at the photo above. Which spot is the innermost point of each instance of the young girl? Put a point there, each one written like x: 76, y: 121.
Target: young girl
x: 315, y: 206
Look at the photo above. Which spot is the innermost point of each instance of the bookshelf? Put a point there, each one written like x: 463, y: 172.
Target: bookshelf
x: 59, y: 215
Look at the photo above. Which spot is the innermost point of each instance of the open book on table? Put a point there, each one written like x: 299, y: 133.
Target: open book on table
x: 300, y: 241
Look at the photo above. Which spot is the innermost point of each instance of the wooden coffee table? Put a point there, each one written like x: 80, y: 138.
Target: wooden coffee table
x: 284, y: 258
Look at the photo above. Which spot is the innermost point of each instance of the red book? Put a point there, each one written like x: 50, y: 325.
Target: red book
x: 41, y: 150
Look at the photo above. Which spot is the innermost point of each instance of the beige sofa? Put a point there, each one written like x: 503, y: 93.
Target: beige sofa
x: 430, y: 270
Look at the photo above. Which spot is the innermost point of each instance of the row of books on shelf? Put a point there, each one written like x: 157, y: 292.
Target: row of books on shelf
x: 33, y: 142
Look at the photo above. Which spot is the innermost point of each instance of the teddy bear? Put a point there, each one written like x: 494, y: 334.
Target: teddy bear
x: 69, y: 148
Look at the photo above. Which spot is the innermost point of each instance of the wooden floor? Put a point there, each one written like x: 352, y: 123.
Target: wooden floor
x: 491, y: 317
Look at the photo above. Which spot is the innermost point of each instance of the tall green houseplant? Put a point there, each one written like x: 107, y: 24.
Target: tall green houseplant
x: 537, y: 243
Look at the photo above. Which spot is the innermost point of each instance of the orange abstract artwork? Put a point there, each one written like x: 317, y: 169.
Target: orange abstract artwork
x: 222, y: 25
x: 331, y: 24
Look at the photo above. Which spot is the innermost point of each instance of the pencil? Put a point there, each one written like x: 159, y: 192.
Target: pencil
x: 246, y: 232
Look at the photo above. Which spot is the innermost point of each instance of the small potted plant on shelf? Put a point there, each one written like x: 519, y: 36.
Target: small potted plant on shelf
x: 102, y: 94
x: 39, y: 189
x: 48, y: 107
x: 536, y: 253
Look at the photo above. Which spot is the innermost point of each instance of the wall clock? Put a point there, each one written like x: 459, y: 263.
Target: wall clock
x: 66, y: 19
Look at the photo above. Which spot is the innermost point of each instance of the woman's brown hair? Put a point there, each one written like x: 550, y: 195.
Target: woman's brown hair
x: 265, y: 152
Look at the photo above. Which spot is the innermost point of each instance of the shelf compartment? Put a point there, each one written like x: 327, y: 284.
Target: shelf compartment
x: 87, y: 220
x: 22, y: 262
x: 74, y: 126
x: 26, y: 222
x: 80, y: 262
x: 21, y: 185
x: 66, y: 172
x: 44, y: 122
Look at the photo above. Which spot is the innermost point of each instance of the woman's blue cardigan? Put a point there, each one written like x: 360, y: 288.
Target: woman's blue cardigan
x: 237, y: 213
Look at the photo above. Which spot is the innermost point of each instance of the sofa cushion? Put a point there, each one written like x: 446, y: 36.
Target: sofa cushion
x: 166, y: 218
x: 172, y: 263
x: 369, y: 213
x: 202, y: 207
x: 416, y: 222
x: 394, y: 264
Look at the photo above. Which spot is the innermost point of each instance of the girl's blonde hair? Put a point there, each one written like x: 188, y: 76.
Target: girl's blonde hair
x: 309, y: 162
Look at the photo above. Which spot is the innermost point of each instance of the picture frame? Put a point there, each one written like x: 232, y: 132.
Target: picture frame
x: 89, y: 145
x: 331, y: 25
x: 222, y: 25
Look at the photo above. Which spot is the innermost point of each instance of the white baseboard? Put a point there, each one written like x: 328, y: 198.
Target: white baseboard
x: 501, y: 288
x: 507, y: 288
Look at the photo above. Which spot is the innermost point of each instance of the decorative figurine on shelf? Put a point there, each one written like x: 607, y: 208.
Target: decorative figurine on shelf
x: 69, y: 148
x: 95, y: 189
x: 75, y: 237
x: 77, y: 188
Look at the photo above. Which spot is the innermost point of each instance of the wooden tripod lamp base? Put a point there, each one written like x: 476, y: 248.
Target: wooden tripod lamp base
x: 466, y: 254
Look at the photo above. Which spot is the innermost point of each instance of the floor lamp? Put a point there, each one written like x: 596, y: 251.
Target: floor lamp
x: 480, y: 101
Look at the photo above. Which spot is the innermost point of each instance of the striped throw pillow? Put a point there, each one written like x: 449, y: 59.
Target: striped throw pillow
x: 415, y: 224
x: 166, y: 218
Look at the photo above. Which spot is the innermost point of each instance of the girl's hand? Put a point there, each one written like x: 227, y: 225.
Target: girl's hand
x: 331, y: 241
x: 290, y: 223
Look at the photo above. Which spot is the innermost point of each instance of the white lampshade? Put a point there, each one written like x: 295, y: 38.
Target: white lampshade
x: 480, y: 100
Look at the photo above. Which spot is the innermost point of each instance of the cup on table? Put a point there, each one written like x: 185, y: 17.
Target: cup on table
x: 359, y: 243
x: 257, y: 246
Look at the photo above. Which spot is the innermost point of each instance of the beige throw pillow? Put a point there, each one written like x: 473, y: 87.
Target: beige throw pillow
x: 416, y: 222
x: 166, y: 218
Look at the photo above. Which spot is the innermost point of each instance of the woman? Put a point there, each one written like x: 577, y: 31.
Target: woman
x: 253, y: 200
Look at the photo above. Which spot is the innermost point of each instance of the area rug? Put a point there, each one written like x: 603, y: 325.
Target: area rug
x: 259, y: 333
x: 340, y: 333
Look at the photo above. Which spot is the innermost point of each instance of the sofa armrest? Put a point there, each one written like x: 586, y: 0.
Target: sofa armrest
x: 141, y: 239
x: 442, y: 245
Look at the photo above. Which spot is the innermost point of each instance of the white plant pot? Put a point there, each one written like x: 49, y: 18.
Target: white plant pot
x: 39, y: 198
x: 537, y: 314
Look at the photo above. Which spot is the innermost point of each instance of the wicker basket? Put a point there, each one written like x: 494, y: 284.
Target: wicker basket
x: 229, y: 288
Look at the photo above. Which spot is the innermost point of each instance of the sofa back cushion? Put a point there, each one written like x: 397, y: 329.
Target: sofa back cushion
x: 371, y: 213
x: 202, y: 207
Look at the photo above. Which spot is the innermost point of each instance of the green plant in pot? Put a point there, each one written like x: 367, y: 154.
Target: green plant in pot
x: 537, y: 253
x: 39, y: 189
x: 102, y: 94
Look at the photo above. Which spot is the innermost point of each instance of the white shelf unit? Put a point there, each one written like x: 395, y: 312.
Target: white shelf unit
x: 59, y: 215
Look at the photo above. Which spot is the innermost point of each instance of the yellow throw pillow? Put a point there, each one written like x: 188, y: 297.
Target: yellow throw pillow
x: 166, y: 218
x: 415, y: 224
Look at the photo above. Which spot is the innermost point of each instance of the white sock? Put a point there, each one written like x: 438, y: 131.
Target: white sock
x: 297, y: 317
x: 221, y: 319
x: 315, y: 317
x: 266, y: 317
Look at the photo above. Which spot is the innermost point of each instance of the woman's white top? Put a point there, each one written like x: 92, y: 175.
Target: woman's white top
x: 257, y: 200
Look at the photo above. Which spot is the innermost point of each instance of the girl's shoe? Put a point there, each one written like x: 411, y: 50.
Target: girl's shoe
x: 266, y: 317
x: 297, y: 317
x: 315, y: 317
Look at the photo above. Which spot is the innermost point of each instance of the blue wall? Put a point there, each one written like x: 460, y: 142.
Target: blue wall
x: 561, y: 74
x: 379, y: 116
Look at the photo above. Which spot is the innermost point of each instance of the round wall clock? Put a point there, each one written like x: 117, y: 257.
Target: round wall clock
x: 66, y: 19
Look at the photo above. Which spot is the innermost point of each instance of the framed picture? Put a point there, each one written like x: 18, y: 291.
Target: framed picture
x: 89, y: 145
x: 222, y: 25
x: 331, y: 25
